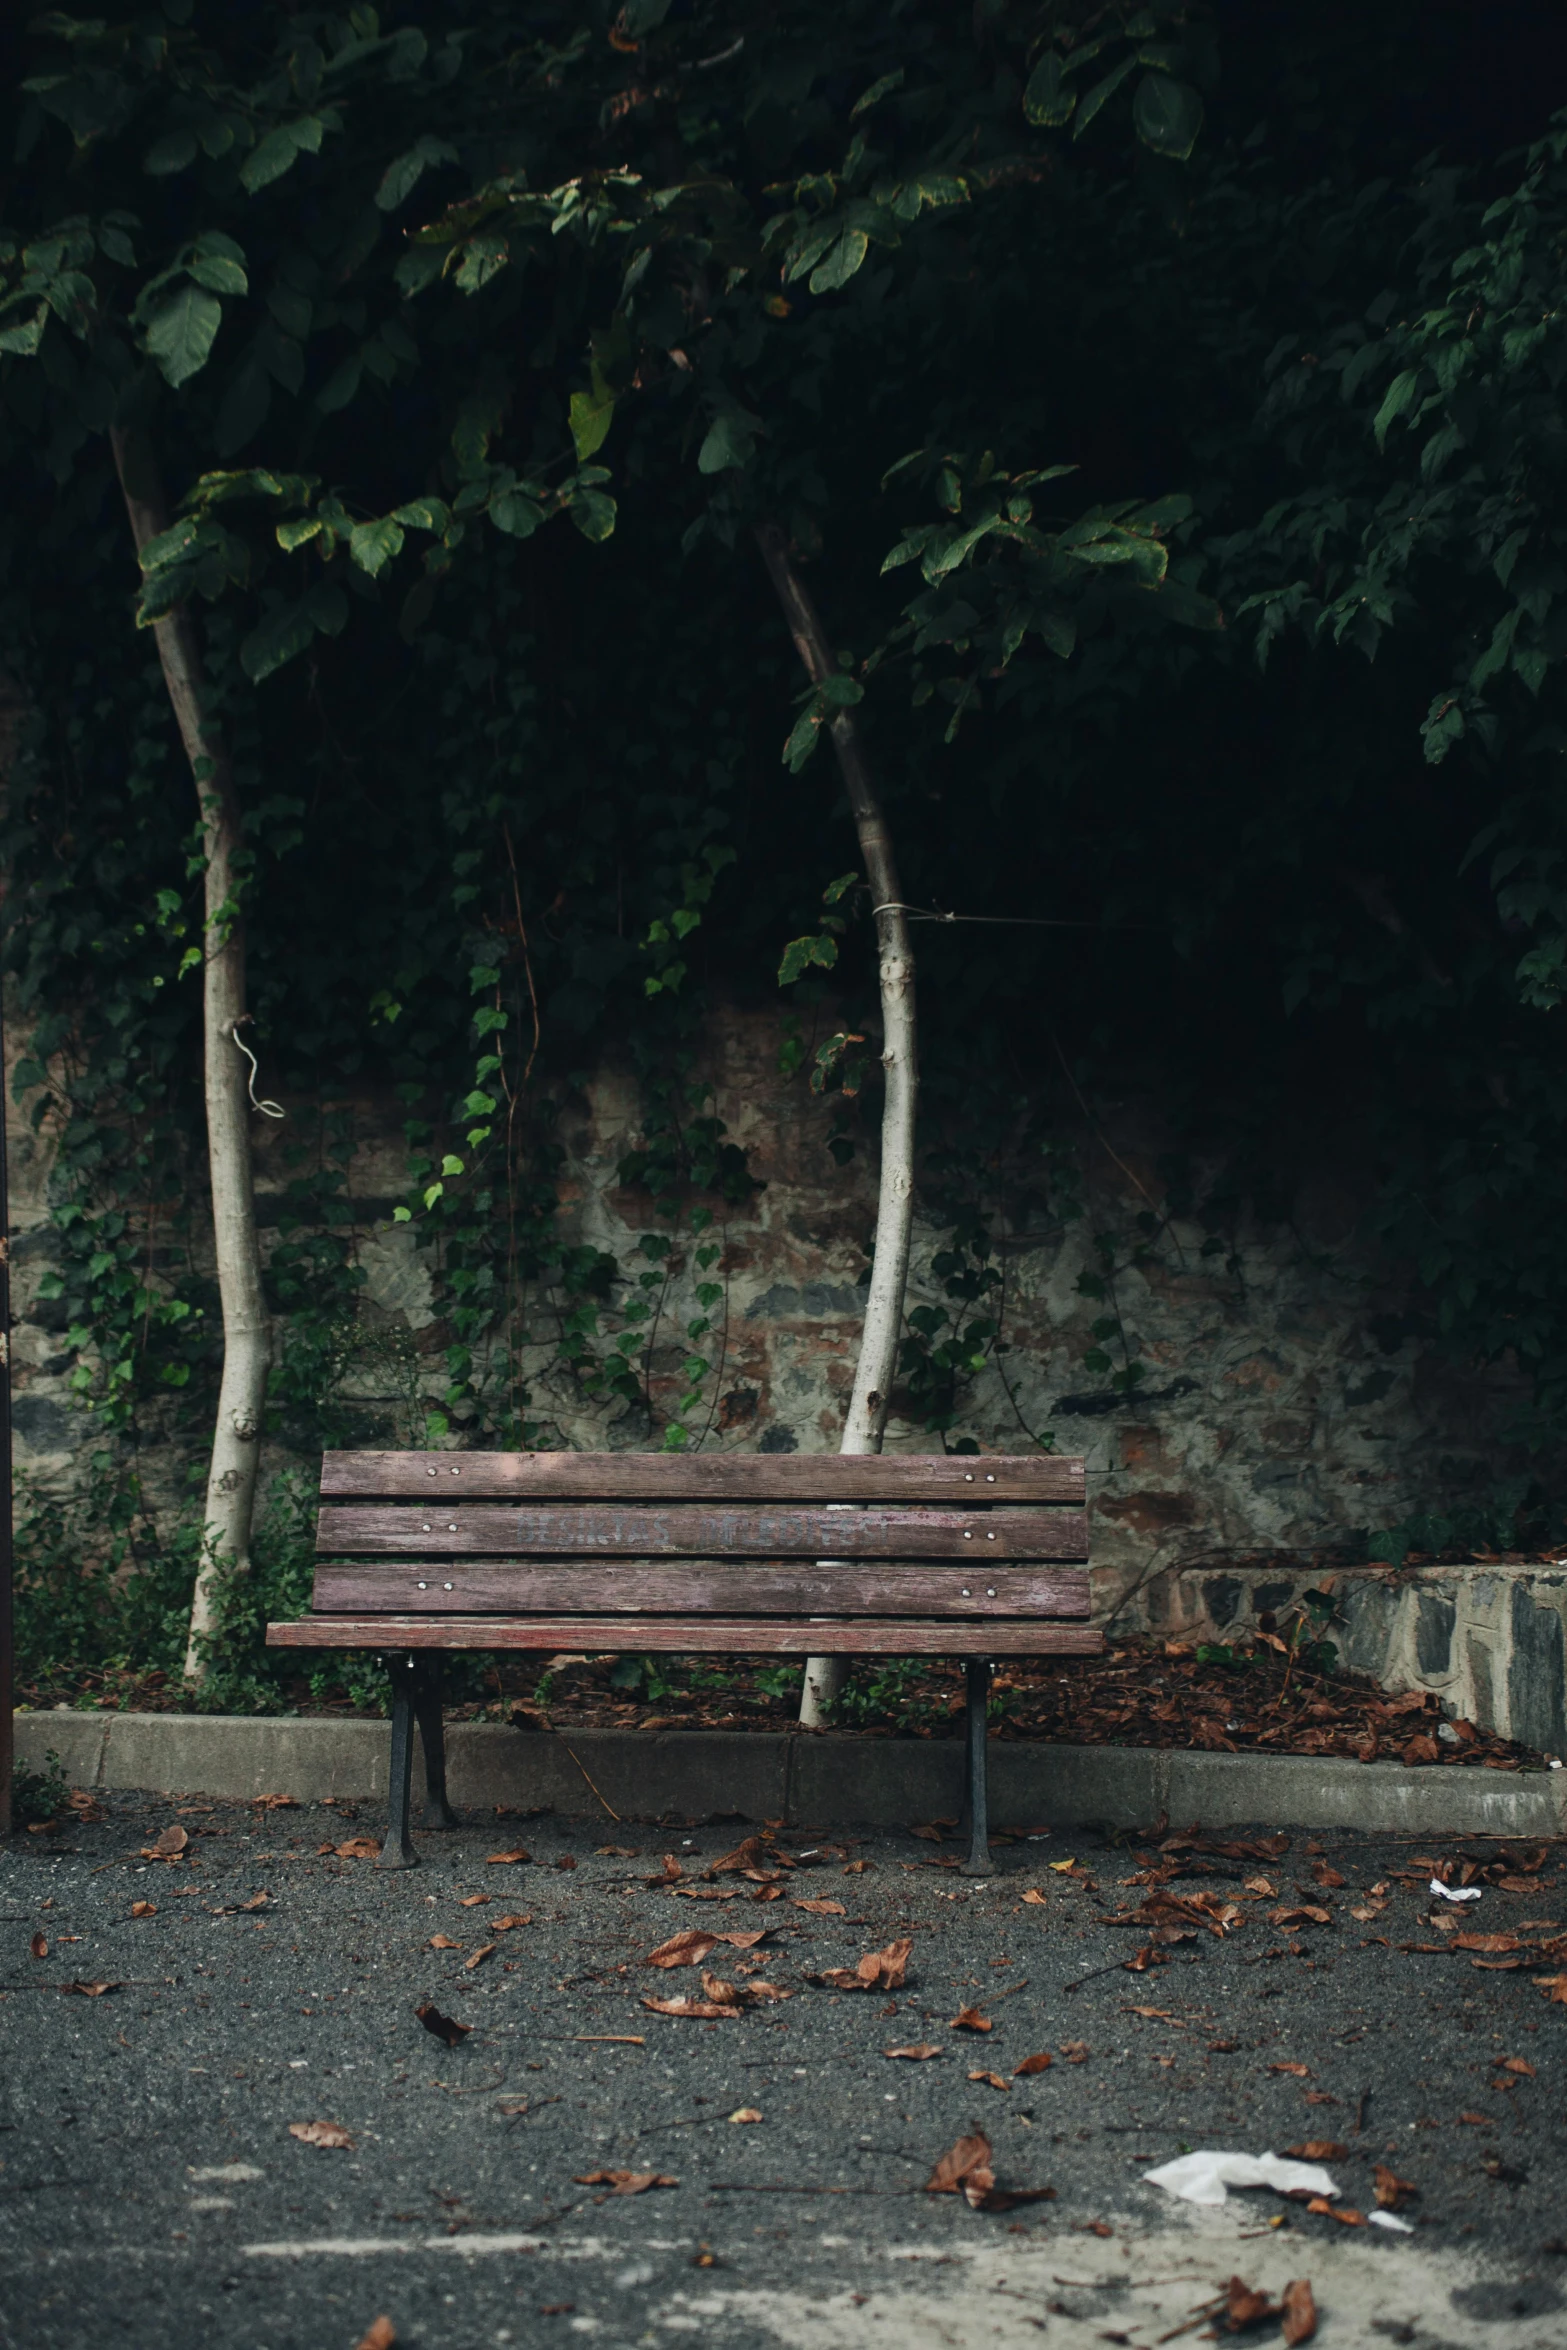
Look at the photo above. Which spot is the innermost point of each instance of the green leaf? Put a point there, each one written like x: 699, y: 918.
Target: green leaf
x: 593, y: 513
x: 181, y: 332
x: 877, y: 91
x: 517, y: 515
x: 1167, y: 115
x: 340, y: 385
x: 270, y: 158
x: 1397, y: 401
x: 399, y: 179
x: 841, y: 263
x: 801, y: 953
x: 1046, y: 101
x: 592, y: 414
x: 729, y: 443
x: 169, y: 154
x: 282, y: 635
x: 1101, y: 94
x: 299, y: 532
x: 372, y: 545
x: 23, y: 341
x: 219, y: 273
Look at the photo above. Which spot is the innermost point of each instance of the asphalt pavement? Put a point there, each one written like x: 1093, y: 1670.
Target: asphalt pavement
x: 155, y: 2189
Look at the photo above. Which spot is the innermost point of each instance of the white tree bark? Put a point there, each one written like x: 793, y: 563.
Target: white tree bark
x: 236, y: 1439
x: 867, y: 1416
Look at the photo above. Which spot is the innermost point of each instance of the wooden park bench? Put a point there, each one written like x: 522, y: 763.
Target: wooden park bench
x: 793, y: 1554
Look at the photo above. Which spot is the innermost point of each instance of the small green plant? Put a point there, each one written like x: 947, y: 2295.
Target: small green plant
x: 38, y: 1795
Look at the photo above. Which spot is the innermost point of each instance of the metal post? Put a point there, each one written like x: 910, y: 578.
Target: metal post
x: 979, y: 1862
x: 7, y: 1613
x: 398, y: 1850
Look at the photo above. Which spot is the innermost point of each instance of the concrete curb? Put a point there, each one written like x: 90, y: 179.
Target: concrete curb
x: 765, y: 1775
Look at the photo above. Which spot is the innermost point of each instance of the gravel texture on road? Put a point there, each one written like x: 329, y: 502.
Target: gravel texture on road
x: 154, y: 2187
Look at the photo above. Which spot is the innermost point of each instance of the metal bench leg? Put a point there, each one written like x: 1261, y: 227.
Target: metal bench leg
x: 979, y: 1863
x: 398, y: 1852
x: 438, y: 1812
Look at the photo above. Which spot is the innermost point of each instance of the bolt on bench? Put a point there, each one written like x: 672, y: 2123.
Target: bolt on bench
x: 972, y: 1555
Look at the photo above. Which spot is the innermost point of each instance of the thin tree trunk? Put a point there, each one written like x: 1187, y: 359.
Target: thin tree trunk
x: 236, y: 1438
x: 867, y: 1417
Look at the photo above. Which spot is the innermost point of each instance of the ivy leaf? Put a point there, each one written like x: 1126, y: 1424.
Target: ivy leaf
x: 1046, y: 100
x: 1167, y: 115
x: 801, y: 953
x: 182, y: 330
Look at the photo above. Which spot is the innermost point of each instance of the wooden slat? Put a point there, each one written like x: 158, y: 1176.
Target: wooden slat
x: 762, y: 1530
x: 730, y: 1636
x: 662, y: 1476
x: 699, y: 1588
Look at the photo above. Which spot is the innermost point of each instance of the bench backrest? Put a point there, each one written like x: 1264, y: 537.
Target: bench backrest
x: 759, y: 1534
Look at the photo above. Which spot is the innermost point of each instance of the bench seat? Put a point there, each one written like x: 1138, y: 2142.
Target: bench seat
x: 971, y: 1555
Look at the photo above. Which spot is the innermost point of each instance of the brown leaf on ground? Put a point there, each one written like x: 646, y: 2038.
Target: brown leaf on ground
x: 965, y: 2169
x: 39, y: 1946
x: 1364, y: 1911
x: 1030, y: 2065
x: 1245, y: 2306
x: 1320, y: 2097
x: 767, y: 1992
x: 706, y: 2009
x: 1393, y: 2192
x: 931, y: 1832
x: 687, y: 1949
x: 752, y: 1853
x: 256, y: 1901
x: 1345, y: 2216
x: 615, y: 1852
x: 144, y: 1909
x: 1299, y: 2312
x: 1143, y: 1961
x: 1554, y: 1987
x: 565, y: 1860
x: 328, y: 2134
x: 1300, y: 2072
x: 1517, y: 2064
x: 444, y: 2027
x: 1423, y: 1749
x: 1478, y: 2121
x: 626, y: 2182
x: 1319, y: 2150
x: 1075, y: 2051
x: 744, y: 2113
x: 994, y: 2079
x: 857, y: 1868
x: 442, y: 1942
x: 920, y: 2052
x: 484, y: 1951
x: 822, y: 1909
x: 1264, y: 1886
x: 505, y: 1925
x: 275, y: 1802
x: 381, y: 2336
x: 472, y: 1900
x: 1222, y: 2047
x: 507, y: 1860
x: 89, y: 1990
x: 878, y: 1970
x: 169, y: 1845
x: 969, y: 2019
x: 1323, y: 1875
x: 359, y: 1848
x: 1491, y: 1942
x: 1035, y: 1898
x: 1302, y: 1913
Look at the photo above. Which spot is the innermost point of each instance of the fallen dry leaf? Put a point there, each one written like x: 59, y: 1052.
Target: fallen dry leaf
x: 707, y: 2010
x: 484, y: 1951
x: 1554, y: 1987
x: 1033, y: 2064
x: 1300, y: 2072
x: 1299, y: 2312
x: 1035, y: 1897
x: 615, y: 1851
x: 504, y: 1925
x: 1320, y: 2097
x: 878, y: 1970
x: 443, y: 2026
x: 169, y: 1845
x: 381, y: 2336
x: 1345, y: 2216
x: 1075, y: 2051
x: 359, y: 1848
x: 39, y: 1946
x: 857, y: 1868
x: 442, y: 1942
x: 1319, y: 2150
x: 745, y: 2113
x: 565, y: 1860
x: 89, y: 1990
x: 921, y: 2051
x: 500, y: 1860
x: 1323, y: 1875
x: 752, y: 1853
x: 328, y: 2134
x: 1392, y: 2191
x: 931, y: 1833
x: 969, y: 2019
x: 965, y: 2169
x: 687, y: 1949
x: 1302, y: 1913
x: 275, y: 1802
x: 1478, y: 2121
x: 995, y: 2080
x: 1244, y: 2306
x: 715, y: 1987
x: 1517, y: 2064
x: 1263, y: 1886
x: 626, y: 2182
x: 1485, y: 1942
x: 822, y: 1909
x: 256, y: 1901
x: 472, y: 1900
x: 144, y: 1909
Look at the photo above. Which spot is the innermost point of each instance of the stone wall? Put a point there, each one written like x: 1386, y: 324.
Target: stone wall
x: 1289, y: 1402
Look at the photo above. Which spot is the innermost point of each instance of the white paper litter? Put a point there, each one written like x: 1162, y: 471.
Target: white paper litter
x: 1203, y: 2177
x: 1390, y: 2219
x: 1455, y: 1892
